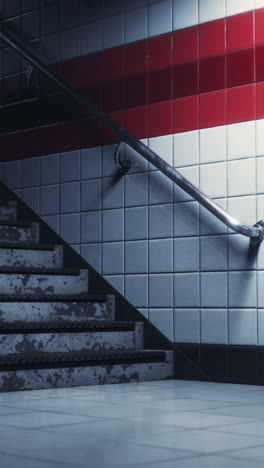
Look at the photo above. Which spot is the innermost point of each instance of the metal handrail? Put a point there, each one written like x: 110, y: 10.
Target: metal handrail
x: 256, y: 232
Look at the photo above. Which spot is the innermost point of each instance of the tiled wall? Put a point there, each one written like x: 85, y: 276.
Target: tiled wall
x: 193, y: 278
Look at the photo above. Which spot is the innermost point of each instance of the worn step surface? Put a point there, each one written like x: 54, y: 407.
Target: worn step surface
x: 53, y: 331
x: 28, y: 256
x: 41, y: 308
x: 44, y: 370
x: 42, y: 281
x: 14, y: 232
x: 8, y: 210
x: 51, y: 337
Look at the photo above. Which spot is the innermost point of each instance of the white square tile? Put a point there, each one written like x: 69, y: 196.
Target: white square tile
x: 128, y: 5
x: 186, y: 326
x: 91, y: 38
x: 30, y: 196
x: 260, y: 216
x: 214, y: 289
x: 260, y: 247
x: 136, y: 24
x: 260, y: 207
x: 214, y: 326
x: 113, y: 31
x: 92, y: 253
x: 160, y: 17
x: 261, y: 327
x: 192, y: 174
x: 259, y: 3
x: 186, y: 148
x: 242, y: 289
x: 162, y: 146
x: 163, y: 320
x: 243, y: 208
x: 260, y: 289
x: 185, y: 13
x: 209, y: 224
x: 213, y: 179
x: 242, y: 326
x: 12, y: 174
x: 213, y: 143
x: 260, y: 137
x: 260, y: 175
x: 186, y: 254
x: 108, y: 159
x: 186, y: 290
x: 213, y: 253
x: 233, y: 7
x: 241, y: 177
x: 241, y: 255
x: 186, y: 219
x: 112, y: 7
x: 70, y: 44
x: 241, y: 140
x: 211, y: 10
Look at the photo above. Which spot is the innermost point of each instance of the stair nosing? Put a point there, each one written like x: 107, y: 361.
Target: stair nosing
x: 27, y: 246
x: 63, y: 326
x: 50, y: 298
x: 40, y: 271
x: 79, y: 359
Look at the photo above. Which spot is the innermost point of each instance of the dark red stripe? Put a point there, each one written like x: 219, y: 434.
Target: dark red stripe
x: 198, y: 77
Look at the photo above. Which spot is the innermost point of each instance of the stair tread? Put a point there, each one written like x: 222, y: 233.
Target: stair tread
x: 26, y: 246
x: 40, y: 271
x: 63, y: 325
x: 8, y: 203
x: 15, y: 223
x: 65, y: 359
x: 83, y: 297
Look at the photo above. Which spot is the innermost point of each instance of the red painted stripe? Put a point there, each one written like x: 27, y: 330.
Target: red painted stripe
x: 205, y: 40
x: 198, y: 77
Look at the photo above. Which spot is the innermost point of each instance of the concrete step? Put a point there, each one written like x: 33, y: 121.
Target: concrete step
x: 8, y: 210
x: 53, y: 337
x: 46, y: 370
x: 30, y: 255
x: 32, y: 308
x: 48, y: 281
x: 14, y: 232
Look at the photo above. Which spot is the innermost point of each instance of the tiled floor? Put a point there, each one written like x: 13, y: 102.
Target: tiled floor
x: 164, y: 424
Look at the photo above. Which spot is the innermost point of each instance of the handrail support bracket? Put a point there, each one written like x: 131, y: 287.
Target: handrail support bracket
x: 257, y: 240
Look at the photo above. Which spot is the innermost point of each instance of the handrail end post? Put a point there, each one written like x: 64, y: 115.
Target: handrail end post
x: 257, y: 240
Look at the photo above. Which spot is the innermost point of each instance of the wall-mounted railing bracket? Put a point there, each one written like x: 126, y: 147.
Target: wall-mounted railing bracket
x: 122, y: 164
x: 257, y: 240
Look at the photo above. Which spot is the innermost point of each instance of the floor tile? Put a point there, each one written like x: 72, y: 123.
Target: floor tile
x: 245, y: 411
x: 83, y: 452
x: 192, y: 420
x: 248, y: 454
x: 255, y: 428
x: 211, y: 461
x: 10, y: 461
x: 203, y: 441
x: 162, y: 424
x: 41, y: 419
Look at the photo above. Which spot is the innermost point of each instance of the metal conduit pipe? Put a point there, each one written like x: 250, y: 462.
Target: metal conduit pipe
x: 255, y: 233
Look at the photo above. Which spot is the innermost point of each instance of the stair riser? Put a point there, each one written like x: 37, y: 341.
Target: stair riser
x: 43, y: 284
x: 16, y: 234
x: 20, y: 258
x: 78, y: 376
x: 67, y: 342
x: 43, y: 312
x: 8, y: 212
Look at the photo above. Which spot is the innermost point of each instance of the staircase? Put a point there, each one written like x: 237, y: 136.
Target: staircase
x: 54, y: 332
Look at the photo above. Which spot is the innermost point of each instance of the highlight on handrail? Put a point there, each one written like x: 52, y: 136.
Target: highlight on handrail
x: 255, y: 233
